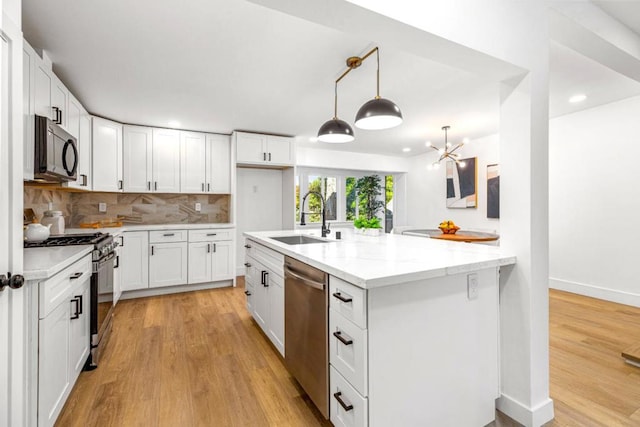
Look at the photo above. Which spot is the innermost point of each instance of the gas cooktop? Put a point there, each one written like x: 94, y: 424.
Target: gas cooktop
x: 69, y: 240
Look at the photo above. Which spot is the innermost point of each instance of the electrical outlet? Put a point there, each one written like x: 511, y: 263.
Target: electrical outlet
x: 102, y: 207
x: 198, y: 207
x: 472, y: 286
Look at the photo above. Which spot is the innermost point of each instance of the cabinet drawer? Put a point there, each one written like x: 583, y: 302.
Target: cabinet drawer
x: 355, y: 410
x: 57, y: 289
x: 251, y: 267
x: 210, y: 235
x: 348, y: 300
x: 271, y: 259
x: 167, y: 236
x: 348, y: 350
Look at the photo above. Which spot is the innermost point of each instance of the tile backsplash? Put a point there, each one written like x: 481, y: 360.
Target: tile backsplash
x: 130, y: 208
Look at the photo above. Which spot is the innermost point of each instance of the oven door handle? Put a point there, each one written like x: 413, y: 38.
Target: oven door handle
x: 106, y: 259
x: 305, y: 280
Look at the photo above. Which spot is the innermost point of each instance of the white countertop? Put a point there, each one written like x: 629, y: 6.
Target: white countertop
x: 42, y: 263
x: 370, y: 262
x: 150, y: 227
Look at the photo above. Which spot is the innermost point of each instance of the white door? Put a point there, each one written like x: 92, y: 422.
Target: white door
x: 60, y: 102
x: 279, y: 150
x: 13, y: 330
x: 166, y: 161
x: 218, y: 164
x: 168, y: 264
x: 193, y: 162
x: 221, y: 265
x: 134, y: 261
x: 200, y: 262
x: 107, y: 155
x: 251, y: 148
x: 136, y: 147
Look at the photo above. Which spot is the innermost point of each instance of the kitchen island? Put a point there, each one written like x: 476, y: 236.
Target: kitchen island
x: 413, y: 324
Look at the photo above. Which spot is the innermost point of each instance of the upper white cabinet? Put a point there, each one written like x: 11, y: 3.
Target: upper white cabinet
x: 137, y: 148
x: 268, y: 150
x: 107, y: 155
x: 60, y: 102
x: 194, y: 162
x: 79, y: 125
x: 166, y: 161
x: 42, y: 90
x: 205, y: 163
x: 29, y: 61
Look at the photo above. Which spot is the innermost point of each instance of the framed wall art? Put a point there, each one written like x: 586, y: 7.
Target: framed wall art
x: 493, y: 191
x: 461, y: 184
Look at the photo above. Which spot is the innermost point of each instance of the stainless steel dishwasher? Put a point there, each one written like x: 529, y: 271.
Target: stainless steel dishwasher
x: 306, y: 327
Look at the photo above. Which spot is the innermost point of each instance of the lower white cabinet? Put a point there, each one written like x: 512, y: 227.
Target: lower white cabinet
x: 117, y: 276
x: 347, y: 408
x: 63, y: 336
x: 264, y: 281
x: 167, y: 264
x: 134, y: 260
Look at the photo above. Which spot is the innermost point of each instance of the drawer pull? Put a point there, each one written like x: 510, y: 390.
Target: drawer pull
x: 247, y: 293
x: 342, y: 402
x: 247, y: 246
x: 76, y: 276
x: 247, y: 264
x: 343, y: 340
x: 169, y: 234
x: 212, y: 234
x: 341, y: 298
x: 76, y: 310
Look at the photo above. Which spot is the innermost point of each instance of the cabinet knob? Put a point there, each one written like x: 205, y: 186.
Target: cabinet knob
x: 14, y: 282
x: 4, y: 282
x: 247, y: 293
x: 247, y: 246
x: 247, y: 264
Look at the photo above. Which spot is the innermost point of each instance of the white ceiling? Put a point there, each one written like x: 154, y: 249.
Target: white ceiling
x: 229, y: 65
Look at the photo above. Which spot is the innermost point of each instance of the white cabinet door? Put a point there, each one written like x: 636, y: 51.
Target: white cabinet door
x: 168, y: 264
x: 137, y: 146
x: 117, y: 276
x: 107, y: 155
x: 134, y: 261
x: 79, y: 338
x: 221, y: 260
x: 60, y: 102
x: 251, y: 148
x: 261, y: 298
x: 53, y: 364
x: 43, y: 85
x: 166, y: 161
x: 193, y: 162
x: 84, y: 173
x: 276, y: 311
x: 29, y: 61
x: 74, y: 125
x: 280, y: 150
x: 73, y: 116
x: 200, y: 262
x: 218, y: 164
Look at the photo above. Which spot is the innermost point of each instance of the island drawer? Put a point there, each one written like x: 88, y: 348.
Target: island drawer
x: 210, y: 235
x: 167, y: 236
x: 348, y: 300
x: 57, y: 289
x: 347, y: 407
x: 271, y: 259
x: 348, y: 350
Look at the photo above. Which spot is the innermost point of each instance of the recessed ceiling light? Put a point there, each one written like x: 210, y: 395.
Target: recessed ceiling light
x: 466, y: 140
x: 313, y: 139
x: 173, y: 124
x: 406, y: 149
x: 577, y: 98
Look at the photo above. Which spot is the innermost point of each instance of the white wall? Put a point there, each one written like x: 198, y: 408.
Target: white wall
x: 258, y: 205
x: 594, y: 202
x: 326, y: 158
x: 426, y: 189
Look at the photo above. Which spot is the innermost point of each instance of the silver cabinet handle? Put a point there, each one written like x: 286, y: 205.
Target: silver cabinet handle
x: 305, y: 280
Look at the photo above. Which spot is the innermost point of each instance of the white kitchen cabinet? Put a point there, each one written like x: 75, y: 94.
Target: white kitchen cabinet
x: 79, y: 335
x: 43, y: 90
x: 117, y: 275
x: 134, y: 260
x: 265, y: 292
x: 29, y: 60
x: 166, y: 161
x: 218, y: 164
x: 60, y: 102
x: 268, y: 150
x: 210, y: 255
x: 168, y: 264
x: 79, y: 125
x: 107, y: 155
x: 137, y: 148
x: 193, y: 159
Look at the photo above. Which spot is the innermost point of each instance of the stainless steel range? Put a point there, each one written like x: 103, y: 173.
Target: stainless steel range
x: 104, y: 261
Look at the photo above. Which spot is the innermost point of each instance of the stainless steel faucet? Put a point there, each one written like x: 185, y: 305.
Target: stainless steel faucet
x: 325, y: 229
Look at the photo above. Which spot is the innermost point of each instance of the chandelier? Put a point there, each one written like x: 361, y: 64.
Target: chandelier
x: 448, y: 152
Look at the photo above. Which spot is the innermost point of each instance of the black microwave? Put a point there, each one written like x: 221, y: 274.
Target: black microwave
x: 56, y: 152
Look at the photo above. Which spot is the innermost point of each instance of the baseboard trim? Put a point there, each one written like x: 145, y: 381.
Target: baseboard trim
x: 529, y: 417
x: 152, y: 292
x: 592, y: 291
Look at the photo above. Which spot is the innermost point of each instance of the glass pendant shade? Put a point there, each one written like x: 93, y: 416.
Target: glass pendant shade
x: 379, y: 113
x: 335, y: 131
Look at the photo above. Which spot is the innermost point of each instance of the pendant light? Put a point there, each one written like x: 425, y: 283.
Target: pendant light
x: 447, y: 152
x: 335, y: 130
x: 379, y: 113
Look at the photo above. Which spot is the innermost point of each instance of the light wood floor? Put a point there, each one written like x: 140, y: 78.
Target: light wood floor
x: 198, y: 359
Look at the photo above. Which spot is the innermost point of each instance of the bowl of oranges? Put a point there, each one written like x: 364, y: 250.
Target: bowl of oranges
x: 448, y: 227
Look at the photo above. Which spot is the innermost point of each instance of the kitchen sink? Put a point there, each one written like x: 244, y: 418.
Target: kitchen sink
x: 298, y: 239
